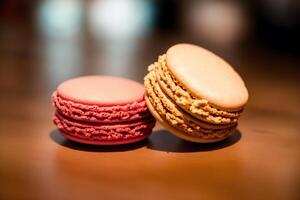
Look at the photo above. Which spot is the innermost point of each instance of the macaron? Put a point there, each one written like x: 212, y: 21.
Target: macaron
x: 102, y: 110
x: 195, y: 94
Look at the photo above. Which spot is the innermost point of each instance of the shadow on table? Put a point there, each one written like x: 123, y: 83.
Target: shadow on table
x: 162, y: 140
x: 59, y: 139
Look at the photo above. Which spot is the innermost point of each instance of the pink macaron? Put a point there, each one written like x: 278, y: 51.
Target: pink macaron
x: 102, y: 110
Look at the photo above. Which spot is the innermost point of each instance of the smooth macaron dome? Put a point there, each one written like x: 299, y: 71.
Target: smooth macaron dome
x: 196, y: 93
x: 102, y: 110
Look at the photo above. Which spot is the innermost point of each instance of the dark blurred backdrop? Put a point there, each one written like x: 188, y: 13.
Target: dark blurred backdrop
x: 45, y: 42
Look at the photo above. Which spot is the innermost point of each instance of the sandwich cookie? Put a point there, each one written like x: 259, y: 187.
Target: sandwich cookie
x: 102, y: 110
x: 195, y: 94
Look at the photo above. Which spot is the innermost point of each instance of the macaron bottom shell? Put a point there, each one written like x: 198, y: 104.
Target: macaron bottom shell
x: 113, y: 142
x: 104, y: 134
x: 182, y: 134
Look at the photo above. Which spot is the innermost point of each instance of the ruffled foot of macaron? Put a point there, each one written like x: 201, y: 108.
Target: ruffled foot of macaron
x: 195, y: 94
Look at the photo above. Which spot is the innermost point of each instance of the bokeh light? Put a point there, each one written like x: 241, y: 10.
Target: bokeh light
x: 120, y: 19
x: 220, y: 23
x: 60, y: 18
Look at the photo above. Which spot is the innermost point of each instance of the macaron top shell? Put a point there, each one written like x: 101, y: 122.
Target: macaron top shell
x: 101, y: 90
x: 207, y: 76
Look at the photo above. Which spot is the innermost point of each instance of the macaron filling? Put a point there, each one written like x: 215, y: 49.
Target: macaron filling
x: 200, y: 108
x: 176, y: 117
x: 104, y: 132
x: 99, y: 113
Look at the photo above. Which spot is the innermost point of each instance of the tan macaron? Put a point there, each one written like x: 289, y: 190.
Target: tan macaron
x: 195, y: 94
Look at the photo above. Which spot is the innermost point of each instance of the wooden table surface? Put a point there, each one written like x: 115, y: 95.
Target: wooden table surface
x: 260, y: 161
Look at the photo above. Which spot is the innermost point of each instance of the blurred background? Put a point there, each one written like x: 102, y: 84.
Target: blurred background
x: 48, y: 41
x: 44, y: 42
